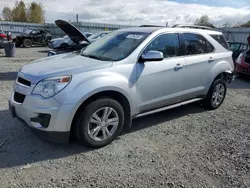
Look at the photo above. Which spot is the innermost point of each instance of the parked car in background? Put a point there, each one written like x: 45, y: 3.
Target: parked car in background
x: 3, y: 38
x: 33, y: 37
x: 242, y: 63
x: 77, y: 40
x: 127, y: 74
x: 237, y: 48
x: 65, y: 41
x: 98, y: 35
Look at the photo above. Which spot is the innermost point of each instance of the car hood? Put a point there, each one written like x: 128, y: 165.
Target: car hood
x: 74, y: 34
x: 64, y: 64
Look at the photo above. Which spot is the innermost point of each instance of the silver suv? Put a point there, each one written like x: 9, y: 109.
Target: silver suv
x: 129, y: 73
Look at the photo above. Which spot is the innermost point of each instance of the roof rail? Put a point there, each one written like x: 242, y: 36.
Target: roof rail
x: 150, y: 26
x: 192, y: 26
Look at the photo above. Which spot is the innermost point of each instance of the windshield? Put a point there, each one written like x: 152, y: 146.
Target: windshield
x: 28, y: 31
x: 115, y: 46
x: 234, y: 46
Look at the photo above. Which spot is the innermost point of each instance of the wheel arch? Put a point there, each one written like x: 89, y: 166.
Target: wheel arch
x: 116, y: 95
x: 223, y: 75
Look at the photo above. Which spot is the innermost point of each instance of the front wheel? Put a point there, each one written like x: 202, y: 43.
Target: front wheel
x: 216, y: 94
x: 100, y: 122
x: 27, y: 43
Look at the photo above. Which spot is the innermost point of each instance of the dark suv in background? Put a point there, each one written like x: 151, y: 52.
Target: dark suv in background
x: 33, y: 37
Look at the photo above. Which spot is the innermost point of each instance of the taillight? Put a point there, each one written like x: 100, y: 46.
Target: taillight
x: 240, y: 59
x: 2, y: 35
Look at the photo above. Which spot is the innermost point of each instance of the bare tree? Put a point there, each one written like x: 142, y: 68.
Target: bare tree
x: 204, y: 21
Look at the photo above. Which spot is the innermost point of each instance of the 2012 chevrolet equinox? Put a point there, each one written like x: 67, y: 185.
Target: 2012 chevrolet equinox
x: 127, y: 74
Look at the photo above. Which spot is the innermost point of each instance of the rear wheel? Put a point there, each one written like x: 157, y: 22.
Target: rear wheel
x: 216, y: 95
x: 27, y: 43
x: 100, y: 122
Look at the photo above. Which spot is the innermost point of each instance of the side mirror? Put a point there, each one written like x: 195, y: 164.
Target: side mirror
x: 152, y: 56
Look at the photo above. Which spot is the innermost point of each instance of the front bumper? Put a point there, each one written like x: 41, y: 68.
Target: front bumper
x: 57, y: 127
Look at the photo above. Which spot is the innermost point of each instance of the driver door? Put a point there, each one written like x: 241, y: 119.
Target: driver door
x: 37, y: 36
x: 160, y: 83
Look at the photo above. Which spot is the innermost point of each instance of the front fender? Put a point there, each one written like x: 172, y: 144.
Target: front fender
x: 78, y: 93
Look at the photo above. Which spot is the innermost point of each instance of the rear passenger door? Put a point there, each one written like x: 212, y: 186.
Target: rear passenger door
x: 199, y: 57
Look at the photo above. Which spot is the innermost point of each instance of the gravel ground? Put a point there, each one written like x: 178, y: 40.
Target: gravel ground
x: 183, y: 147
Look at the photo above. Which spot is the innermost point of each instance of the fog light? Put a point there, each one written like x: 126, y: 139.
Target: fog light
x: 42, y: 119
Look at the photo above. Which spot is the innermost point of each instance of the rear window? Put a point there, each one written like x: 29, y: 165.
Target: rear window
x: 220, y: 39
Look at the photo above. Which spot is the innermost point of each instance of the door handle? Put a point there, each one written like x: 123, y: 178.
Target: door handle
x: 210, y: 60
x: 178, y: 67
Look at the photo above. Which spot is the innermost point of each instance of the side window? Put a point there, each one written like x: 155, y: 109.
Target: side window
x: 220, y: 39
x: 168, y: 44
x: 196, y: 44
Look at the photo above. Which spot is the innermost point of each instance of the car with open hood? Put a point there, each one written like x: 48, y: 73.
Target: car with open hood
x: 65, y: 41
x: 74, y: 39
x: 132, y: 72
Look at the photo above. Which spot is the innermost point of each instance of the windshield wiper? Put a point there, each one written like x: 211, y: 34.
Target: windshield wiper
x: 95, y: 57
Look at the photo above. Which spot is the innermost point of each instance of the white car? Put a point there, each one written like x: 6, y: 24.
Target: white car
x: 65, y: 41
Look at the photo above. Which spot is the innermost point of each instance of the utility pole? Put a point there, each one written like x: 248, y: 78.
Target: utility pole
x: 77, y: 21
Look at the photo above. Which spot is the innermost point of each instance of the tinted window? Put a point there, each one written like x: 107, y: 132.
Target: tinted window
x: 196, y: 44
x: 220, y: 39
x: 168, y: 44
x: 234, y: 46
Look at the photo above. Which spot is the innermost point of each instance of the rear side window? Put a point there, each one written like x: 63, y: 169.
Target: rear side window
x: 196, y: 44
x: 220, y: 39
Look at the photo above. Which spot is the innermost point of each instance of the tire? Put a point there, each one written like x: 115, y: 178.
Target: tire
x: 27, y: 43
x: 209, y: 102
x: 84, y: 127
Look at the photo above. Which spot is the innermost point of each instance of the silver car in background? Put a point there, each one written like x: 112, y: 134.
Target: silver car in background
x: 129, y: 73
x: 98, y: 35
x: 64, y: 41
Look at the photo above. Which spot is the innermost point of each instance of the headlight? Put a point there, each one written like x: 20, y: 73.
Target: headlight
x: 51, y: 86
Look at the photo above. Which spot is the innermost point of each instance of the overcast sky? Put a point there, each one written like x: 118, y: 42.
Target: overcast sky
x: 144, y: 11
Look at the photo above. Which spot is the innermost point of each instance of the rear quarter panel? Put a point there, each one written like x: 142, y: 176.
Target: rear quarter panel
x: 224, y: 63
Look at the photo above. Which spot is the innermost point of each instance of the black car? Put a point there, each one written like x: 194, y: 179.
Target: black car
x: 33, y: 37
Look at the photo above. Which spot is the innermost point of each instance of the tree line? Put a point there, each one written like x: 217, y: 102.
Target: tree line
x: 204, y: 21
x: 33, y: 13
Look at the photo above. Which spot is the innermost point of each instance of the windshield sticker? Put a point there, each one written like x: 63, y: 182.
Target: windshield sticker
x: 136, y: 37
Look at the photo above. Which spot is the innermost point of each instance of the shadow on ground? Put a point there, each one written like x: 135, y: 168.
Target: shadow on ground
x: 241, y: 82
x: 43, y: 51
x: 6, y: 76
x: 22, y: 147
